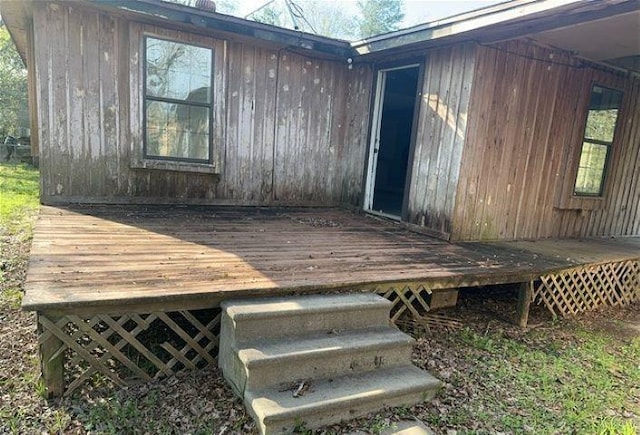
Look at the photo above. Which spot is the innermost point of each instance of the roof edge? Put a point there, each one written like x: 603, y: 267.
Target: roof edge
x: 14, y: 16
x: 460, y: 24
x: 158, y: 10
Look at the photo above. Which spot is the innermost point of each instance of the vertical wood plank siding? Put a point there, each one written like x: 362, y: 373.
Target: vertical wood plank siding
x: 498, y: 137
x: 441, y: 128
x: 287, y: 128
x: 524, y: 136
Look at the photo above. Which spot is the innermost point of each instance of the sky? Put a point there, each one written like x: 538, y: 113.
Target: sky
x: 416, y: 11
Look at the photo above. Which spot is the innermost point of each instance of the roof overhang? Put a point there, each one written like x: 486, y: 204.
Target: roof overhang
x: 201, y: 21
x: 573, y: 25
x: 465, y: 24
x: 14, y: 15
x: 171, y: 13
x: 614, y: 39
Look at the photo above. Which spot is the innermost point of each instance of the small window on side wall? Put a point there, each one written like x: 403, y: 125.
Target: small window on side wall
x: 597, y: 141
x: 177, y: 101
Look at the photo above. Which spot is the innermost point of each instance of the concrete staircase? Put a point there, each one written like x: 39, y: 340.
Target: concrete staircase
x: 316, y: 360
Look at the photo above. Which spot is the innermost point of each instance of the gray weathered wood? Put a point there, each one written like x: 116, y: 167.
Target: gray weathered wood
x: 525, y: 295
x: 51, y: 359
x: 286, y: 127
x: 445, y: 95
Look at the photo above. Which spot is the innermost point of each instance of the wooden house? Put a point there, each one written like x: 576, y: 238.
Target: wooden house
x: 474, y: 127
x: 520, y: 121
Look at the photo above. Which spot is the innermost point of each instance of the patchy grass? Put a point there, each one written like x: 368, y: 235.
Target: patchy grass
x: 579, y: 376
x: 576, y: 376
x: 569, y: 376
x: 19, y: 369
x: 19, y: 199
x: 547, y: 384
x: 18, y: 207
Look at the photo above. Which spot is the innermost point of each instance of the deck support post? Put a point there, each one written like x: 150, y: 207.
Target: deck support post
x: 525, y: 295
x: 51, y: 358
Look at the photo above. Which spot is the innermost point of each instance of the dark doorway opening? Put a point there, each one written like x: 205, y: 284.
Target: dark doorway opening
x: 392, y: 160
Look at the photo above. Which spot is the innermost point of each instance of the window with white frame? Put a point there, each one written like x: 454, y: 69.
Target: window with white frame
x: 597, y: 141
x: 177, y: 101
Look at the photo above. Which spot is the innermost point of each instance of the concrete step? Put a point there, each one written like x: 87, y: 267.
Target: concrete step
x: 338, y: 351
x: 332, y: 400
x: 272, y: 362
x: 292, y: 316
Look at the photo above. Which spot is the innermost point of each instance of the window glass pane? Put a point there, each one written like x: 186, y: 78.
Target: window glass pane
x: 603, y: 113
x: 601, y: 124
x: 177, y: 130
x: 591, y: 169
x: 178, y: 71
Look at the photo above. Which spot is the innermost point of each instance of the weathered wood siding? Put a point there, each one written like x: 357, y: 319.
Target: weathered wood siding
x: 287, y: 128
x: 524, y: 136
x: 440, y: 137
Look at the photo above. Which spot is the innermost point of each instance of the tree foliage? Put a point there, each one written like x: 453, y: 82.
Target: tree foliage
x: 13, y: 85
x: 329, y: 19
x: 326, y: 18
x: 273, y: 15
x: 379, y: 16
x: 228, y: 7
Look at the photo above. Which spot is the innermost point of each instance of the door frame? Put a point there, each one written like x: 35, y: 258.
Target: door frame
x: 374, y: 134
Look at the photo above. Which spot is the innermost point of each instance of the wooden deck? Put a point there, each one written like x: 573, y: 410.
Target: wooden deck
x: 142, y: 258
x: 133, y: 292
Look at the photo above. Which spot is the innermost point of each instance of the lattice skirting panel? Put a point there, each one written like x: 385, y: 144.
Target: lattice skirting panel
x: 75, y: 350
x: 586, y: 288
x: 82, y: 350
x: 406, y: 300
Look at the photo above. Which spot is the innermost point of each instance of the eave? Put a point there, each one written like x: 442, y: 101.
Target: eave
x: 498, y: 23
x: 175, y: 14
x: 14, y: 15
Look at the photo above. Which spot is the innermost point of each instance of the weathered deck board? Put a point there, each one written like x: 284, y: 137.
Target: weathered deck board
x: 581, y: 251
x: 88, y: 257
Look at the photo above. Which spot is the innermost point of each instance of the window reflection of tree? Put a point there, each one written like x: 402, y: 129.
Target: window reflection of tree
x: 193, y: 125
x: 168, y: 54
